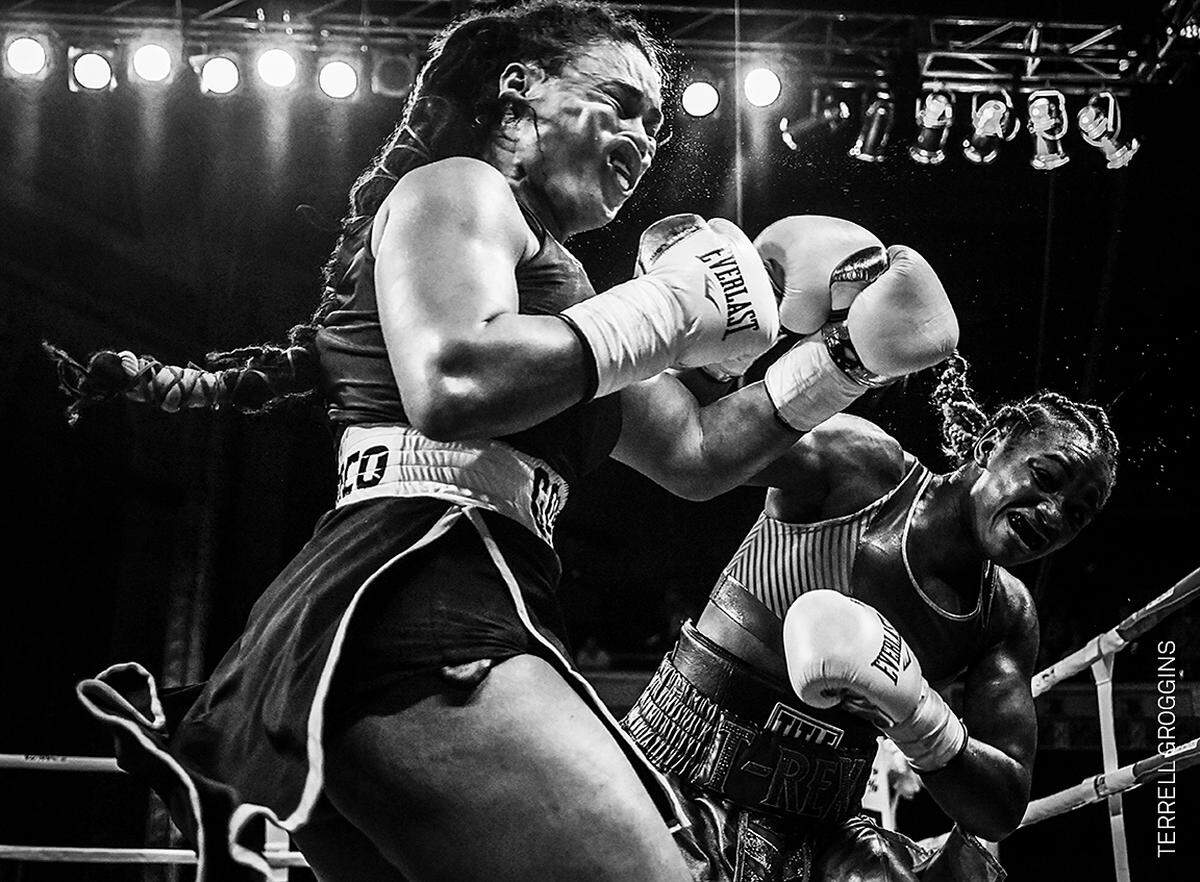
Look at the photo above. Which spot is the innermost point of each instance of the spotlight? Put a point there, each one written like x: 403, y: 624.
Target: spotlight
x: 828, y: 113
x: 392, y: 75
x: 219, y: 74
x: 993, y: 122
x: 1100, y: 124
x: 151, y: 63
x: 26, y: 57
x: 277, y: 68
x: 700, y: 98
x: 762, y: 87
x: 338, y: 78
x: 877, y: 121
x: 1048, y: 124
x: 935, y: 113
x: 91, y: 70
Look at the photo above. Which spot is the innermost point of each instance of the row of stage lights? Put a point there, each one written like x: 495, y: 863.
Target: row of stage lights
x: 30, y: 57
x: 993, y: 120
x: 993, y: 117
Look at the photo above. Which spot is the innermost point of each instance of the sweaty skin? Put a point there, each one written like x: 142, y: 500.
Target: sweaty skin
x: 467, y: 364
x: 1052, y: 478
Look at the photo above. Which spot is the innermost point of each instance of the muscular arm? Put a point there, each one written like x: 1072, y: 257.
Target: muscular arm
x: 986, y: 789
x: 680, y: 434
x: 447, y: 243
x: 698, y: 452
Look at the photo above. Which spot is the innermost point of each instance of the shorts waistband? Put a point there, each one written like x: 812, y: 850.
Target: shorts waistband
x: 719, y: 726
x: 398, y: 461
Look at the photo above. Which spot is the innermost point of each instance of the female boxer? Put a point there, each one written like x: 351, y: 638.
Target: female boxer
x: 401, y: 699
x: 867, y: 583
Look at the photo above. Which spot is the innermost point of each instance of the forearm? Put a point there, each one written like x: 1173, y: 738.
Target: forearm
x: 737, y: 436
x: 983, y: 790
x: 514, y: 372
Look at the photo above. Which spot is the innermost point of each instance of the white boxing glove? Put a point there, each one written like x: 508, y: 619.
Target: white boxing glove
x: 821, y: 263
x: 842, y: 652
x: 897, y: 323
x: 702, y: 296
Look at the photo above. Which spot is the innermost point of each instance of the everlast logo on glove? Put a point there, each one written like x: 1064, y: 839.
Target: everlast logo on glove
x: 739, y: 311
x: 888, y: 661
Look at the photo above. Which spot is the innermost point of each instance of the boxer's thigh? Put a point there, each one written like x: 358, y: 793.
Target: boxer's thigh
x: 862, y: 852
x: 520, y: 780
x: 338, y: 852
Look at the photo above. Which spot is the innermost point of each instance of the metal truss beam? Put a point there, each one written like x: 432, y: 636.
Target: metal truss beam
x: 850, y: 48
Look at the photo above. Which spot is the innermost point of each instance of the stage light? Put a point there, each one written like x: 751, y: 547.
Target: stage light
x: 277, y: 68
x: 829, y: 113
x: 762, y: 87
x: 700, y: 98
x: 1048, y: 125
x: 152, y: 63
x: 338, y: 79
x: 26, y: 57
x: 1100, y: 123
x: 877, y: 121
x: 935, y: 113
x: 993, y: 121
x: 91, y: 71
x: 392, y: 75
x: 218, y: 74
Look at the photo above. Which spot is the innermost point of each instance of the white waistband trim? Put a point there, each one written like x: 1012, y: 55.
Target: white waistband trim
x: 398, y: 461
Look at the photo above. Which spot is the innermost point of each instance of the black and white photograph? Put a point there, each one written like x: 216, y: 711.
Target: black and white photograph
x: 594, y: 441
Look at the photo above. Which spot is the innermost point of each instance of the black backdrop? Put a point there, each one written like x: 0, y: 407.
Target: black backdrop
x: 166, y: 223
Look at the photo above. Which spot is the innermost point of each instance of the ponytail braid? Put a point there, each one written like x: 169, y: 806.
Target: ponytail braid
x: 963, y: 420
x: 452, y: 110
x: 253, y: 379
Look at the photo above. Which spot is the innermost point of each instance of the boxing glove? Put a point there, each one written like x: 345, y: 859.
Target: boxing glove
x: 821, y: 263
x: 701, y: 296
x: 842, y: 652
x: 898, y: 323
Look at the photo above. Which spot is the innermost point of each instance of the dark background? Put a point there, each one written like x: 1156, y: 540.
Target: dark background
x: 165, y: 222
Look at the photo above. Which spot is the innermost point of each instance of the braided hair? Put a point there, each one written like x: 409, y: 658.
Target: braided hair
x: 452, y: 110
x: 964, y: 422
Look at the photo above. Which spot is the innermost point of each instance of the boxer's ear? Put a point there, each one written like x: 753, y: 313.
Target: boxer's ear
x: 984, y: 447
x: 516, y: 80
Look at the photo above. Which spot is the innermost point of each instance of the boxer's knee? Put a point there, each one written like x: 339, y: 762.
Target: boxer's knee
x: 862, y: 852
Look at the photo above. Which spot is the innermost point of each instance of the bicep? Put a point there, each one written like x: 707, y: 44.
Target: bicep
x: 445, y: 264
x: 997, y: 700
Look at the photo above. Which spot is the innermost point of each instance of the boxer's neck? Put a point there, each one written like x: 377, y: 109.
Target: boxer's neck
x: 941, y: 541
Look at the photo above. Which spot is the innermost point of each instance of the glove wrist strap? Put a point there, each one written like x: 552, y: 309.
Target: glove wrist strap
x: 932, y: 736
x: 807, y: 387
x: 841, y: 349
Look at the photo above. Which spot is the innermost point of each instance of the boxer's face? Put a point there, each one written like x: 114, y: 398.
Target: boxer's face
x: 591, y: 135
x: 1036, y: 490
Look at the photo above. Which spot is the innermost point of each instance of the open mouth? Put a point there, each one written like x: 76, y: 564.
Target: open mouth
x: 1027, y: 531
x: 626, y: 164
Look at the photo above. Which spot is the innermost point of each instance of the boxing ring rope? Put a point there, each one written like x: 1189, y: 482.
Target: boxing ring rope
x: 1097, y: 654
x: 1099, y: 787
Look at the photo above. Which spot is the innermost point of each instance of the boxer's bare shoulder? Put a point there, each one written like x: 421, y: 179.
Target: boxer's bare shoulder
x: 836, y: 469
x: 1013, y: 613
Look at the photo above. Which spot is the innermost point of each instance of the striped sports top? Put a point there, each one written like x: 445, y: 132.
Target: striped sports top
x: 864, y: 555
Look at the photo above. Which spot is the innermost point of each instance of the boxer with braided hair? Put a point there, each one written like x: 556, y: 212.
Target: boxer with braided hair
x: 867, y: 584
x: 401, y: 698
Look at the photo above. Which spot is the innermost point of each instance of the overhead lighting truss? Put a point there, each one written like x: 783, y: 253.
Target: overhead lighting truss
x: 844, y: 49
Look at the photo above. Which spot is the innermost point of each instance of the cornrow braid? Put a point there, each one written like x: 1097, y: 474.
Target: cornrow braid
x: 964, y: 422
